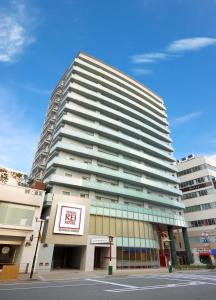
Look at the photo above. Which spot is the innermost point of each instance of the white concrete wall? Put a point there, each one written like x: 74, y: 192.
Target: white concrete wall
x: 90, y: 252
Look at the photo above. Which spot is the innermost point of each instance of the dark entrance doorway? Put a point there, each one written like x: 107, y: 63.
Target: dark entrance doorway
x: 7, y: 254
x: 67, y: 257
x: 100, y: 257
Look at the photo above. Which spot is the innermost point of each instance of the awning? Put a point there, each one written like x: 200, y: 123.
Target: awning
x: 213, y: 251
x: 10, y: 242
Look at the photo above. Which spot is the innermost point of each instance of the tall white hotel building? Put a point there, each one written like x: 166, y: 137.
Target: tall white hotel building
x: 106, y: 157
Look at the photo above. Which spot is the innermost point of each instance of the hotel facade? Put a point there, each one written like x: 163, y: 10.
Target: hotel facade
x: 106, y: 158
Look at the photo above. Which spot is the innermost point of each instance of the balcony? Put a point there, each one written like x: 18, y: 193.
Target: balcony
x: 121, y: 89
x: 131, y: 142
x: 114, y: 174
x: 110, y: 103
x: 93, y: 185
x: 122, y: 81
x: 109, y: 120
x: 152, y: 161
x: 117, y: 98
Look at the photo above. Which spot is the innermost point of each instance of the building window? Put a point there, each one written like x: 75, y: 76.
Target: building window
x: 68, y: 174
x: 84, y: 195
x: 66, y: 193
x: 88, y: 162
x: 203, y: 193
x: 111, y: 167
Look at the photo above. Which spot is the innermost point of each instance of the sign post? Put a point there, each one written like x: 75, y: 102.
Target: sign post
x: 110, y: 267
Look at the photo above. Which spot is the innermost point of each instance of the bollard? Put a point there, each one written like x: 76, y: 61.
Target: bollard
x: 110, y: 270
x: 170, y: 267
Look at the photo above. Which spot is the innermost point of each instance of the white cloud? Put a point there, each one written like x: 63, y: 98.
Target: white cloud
x: 17, y: 136
x: 186, y: 118
x: 191, y: 44
x: 139, y: 71
x: 14, y: 31
x: 35, y: 89
x: 148, y: 57
x: 174, y: 48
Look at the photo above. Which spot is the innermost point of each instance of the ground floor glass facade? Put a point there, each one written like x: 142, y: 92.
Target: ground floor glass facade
x: 132, y: 257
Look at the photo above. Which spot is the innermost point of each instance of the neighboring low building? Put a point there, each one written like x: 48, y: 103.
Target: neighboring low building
x: 197, y: 176
x: 19, y: 208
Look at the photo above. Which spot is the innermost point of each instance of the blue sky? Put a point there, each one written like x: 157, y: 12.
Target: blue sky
x: 168, y: 45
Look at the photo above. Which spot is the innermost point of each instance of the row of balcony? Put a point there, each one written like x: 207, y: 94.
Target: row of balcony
x: 118, y: 118
x: 113, y: 174
x: 117, y: 148
x: 132, y: 97
x: 138, y: 133
x: 94, y: 185
x: 116, y: 160
x: 120, y: 79
x: 118, y: 136
x: 117, y: 106
x: 117, y: 97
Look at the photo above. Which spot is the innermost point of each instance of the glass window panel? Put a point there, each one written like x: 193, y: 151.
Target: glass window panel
x: 136, y: 229
x: 141, y: 229
x: 99, y: 225
x: 125, y: 242
x: 136, y: 216
x: 99, y: 211
x: 92, y: 225
x: 119, y: 213
x: 131, y: 228
x: 137, y: 242
x: 146, y: 217
x: 130, y: 215
x: 131, y: 242
x: 106, y: 226
x: 125, y: 227
x: 119, y: 241
x: 119, y: 227
x: 140, y: 216
x: 16, y: 214
x: 93, y: 210
x: 112, y: 226
x: 106, y: 212
x: 124, y: 215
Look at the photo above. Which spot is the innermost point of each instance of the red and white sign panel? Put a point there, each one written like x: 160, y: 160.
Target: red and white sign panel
x: 70, y: 219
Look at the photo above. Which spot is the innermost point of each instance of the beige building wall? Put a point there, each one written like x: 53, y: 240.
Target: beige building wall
x: 19, y: 207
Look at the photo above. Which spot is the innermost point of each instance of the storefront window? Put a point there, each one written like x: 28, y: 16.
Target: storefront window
x: 15, y: 214
x: 137, y: 257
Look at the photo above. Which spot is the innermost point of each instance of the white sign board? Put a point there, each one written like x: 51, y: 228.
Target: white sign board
x: 70, y: 218
x: 100, y: 241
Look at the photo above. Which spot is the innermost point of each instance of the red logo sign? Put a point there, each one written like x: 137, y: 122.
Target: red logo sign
x: 70, y: 217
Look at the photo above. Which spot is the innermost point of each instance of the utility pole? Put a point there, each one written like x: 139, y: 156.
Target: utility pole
x: 36, y: 248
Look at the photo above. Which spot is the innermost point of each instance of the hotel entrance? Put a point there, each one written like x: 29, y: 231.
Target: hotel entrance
x: 67, y: 257
x: 101, y: 257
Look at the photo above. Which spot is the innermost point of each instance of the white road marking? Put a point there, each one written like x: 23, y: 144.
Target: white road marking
x: 47, y: 286
x: 114, y: 283
x: 154, y: 287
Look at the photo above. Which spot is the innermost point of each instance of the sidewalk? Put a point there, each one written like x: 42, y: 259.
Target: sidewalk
x: 58, y: 275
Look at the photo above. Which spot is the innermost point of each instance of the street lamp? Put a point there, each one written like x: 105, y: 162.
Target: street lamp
x: 110, y: 267
x: 36, y: 248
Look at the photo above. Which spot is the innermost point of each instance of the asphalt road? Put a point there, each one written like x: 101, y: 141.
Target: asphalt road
x: 175, y: 286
